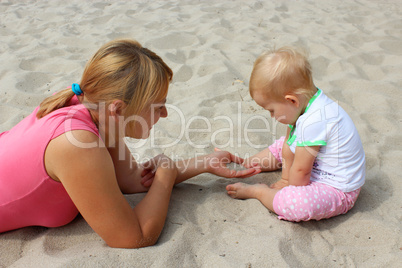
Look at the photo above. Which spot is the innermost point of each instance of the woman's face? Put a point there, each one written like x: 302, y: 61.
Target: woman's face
x: 149, y: 116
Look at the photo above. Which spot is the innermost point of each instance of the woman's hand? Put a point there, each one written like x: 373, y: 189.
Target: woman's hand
x: 150, y: 167
x: 217, y: 164
x: 166, y: 165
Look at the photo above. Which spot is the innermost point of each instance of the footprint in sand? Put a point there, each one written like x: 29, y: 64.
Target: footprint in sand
x: 179, y: 57
x: 34, y: 81
x: 174, y: 41
x: 392, y: 46
x: 183, y: 74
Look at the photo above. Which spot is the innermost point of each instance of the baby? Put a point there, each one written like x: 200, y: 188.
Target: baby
x: 322, y: 157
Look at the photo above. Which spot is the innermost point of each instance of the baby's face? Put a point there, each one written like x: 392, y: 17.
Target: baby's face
x: 285, y: 111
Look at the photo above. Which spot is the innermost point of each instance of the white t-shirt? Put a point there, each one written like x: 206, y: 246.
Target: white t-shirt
x: 340, y: 162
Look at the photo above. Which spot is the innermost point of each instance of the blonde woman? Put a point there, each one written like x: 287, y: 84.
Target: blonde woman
x: 69, y: 156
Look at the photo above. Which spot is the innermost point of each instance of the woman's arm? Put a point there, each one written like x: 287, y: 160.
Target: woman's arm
x: 128, y: 171
x: 214, y: 163
x: 88, y: 175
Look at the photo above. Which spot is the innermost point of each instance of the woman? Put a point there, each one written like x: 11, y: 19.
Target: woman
x: 69, y: 156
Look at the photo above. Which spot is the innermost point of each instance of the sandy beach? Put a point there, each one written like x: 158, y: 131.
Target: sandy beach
x: 355, y: 49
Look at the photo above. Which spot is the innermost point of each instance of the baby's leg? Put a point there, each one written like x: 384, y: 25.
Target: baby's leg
x: 315, y: 201
x: 287, y: 161
x: 258, y: 191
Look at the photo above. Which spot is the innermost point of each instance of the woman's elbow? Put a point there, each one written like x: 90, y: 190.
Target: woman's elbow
x: 133, y: 243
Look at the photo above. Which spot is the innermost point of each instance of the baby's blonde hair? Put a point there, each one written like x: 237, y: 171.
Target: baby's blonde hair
x: 120, y: 69
x: 282, y: 71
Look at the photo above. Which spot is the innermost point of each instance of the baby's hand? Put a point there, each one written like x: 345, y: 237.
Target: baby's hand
x: 248, y: 163
x: 147, y: 177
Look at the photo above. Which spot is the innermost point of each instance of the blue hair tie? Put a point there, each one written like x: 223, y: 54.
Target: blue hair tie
x: 76, y: 89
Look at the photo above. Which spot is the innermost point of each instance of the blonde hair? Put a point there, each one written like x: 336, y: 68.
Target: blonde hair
x: 120, y: 69
x: 282, y: 71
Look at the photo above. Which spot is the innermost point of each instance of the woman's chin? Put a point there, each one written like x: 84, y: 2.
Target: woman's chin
x: 141, y: 136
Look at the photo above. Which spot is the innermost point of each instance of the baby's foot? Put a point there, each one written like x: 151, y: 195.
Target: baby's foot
x: 244, y: 191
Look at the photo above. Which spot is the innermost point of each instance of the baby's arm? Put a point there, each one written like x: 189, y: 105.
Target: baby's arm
x: 300, y: 170
x: 287, y: 161
x: 265, y: 159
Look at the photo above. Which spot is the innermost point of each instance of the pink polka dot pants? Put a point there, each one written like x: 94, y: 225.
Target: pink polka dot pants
x: 315, y: 201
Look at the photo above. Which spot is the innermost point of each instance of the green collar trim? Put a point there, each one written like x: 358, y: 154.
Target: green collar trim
x: 318, y: 93
x: 311, y: 143
x: 292, y: 137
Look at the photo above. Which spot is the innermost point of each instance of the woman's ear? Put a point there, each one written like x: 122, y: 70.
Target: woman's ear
x: 117, y: 107
x: 293, y: 99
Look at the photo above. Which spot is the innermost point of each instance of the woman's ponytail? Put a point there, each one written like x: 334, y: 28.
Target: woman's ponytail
x: 54, y: 102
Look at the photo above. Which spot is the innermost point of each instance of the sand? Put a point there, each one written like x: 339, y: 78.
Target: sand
x: 356, y: 52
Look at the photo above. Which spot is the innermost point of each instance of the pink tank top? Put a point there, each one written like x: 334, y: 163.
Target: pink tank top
x: 28, y: 196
